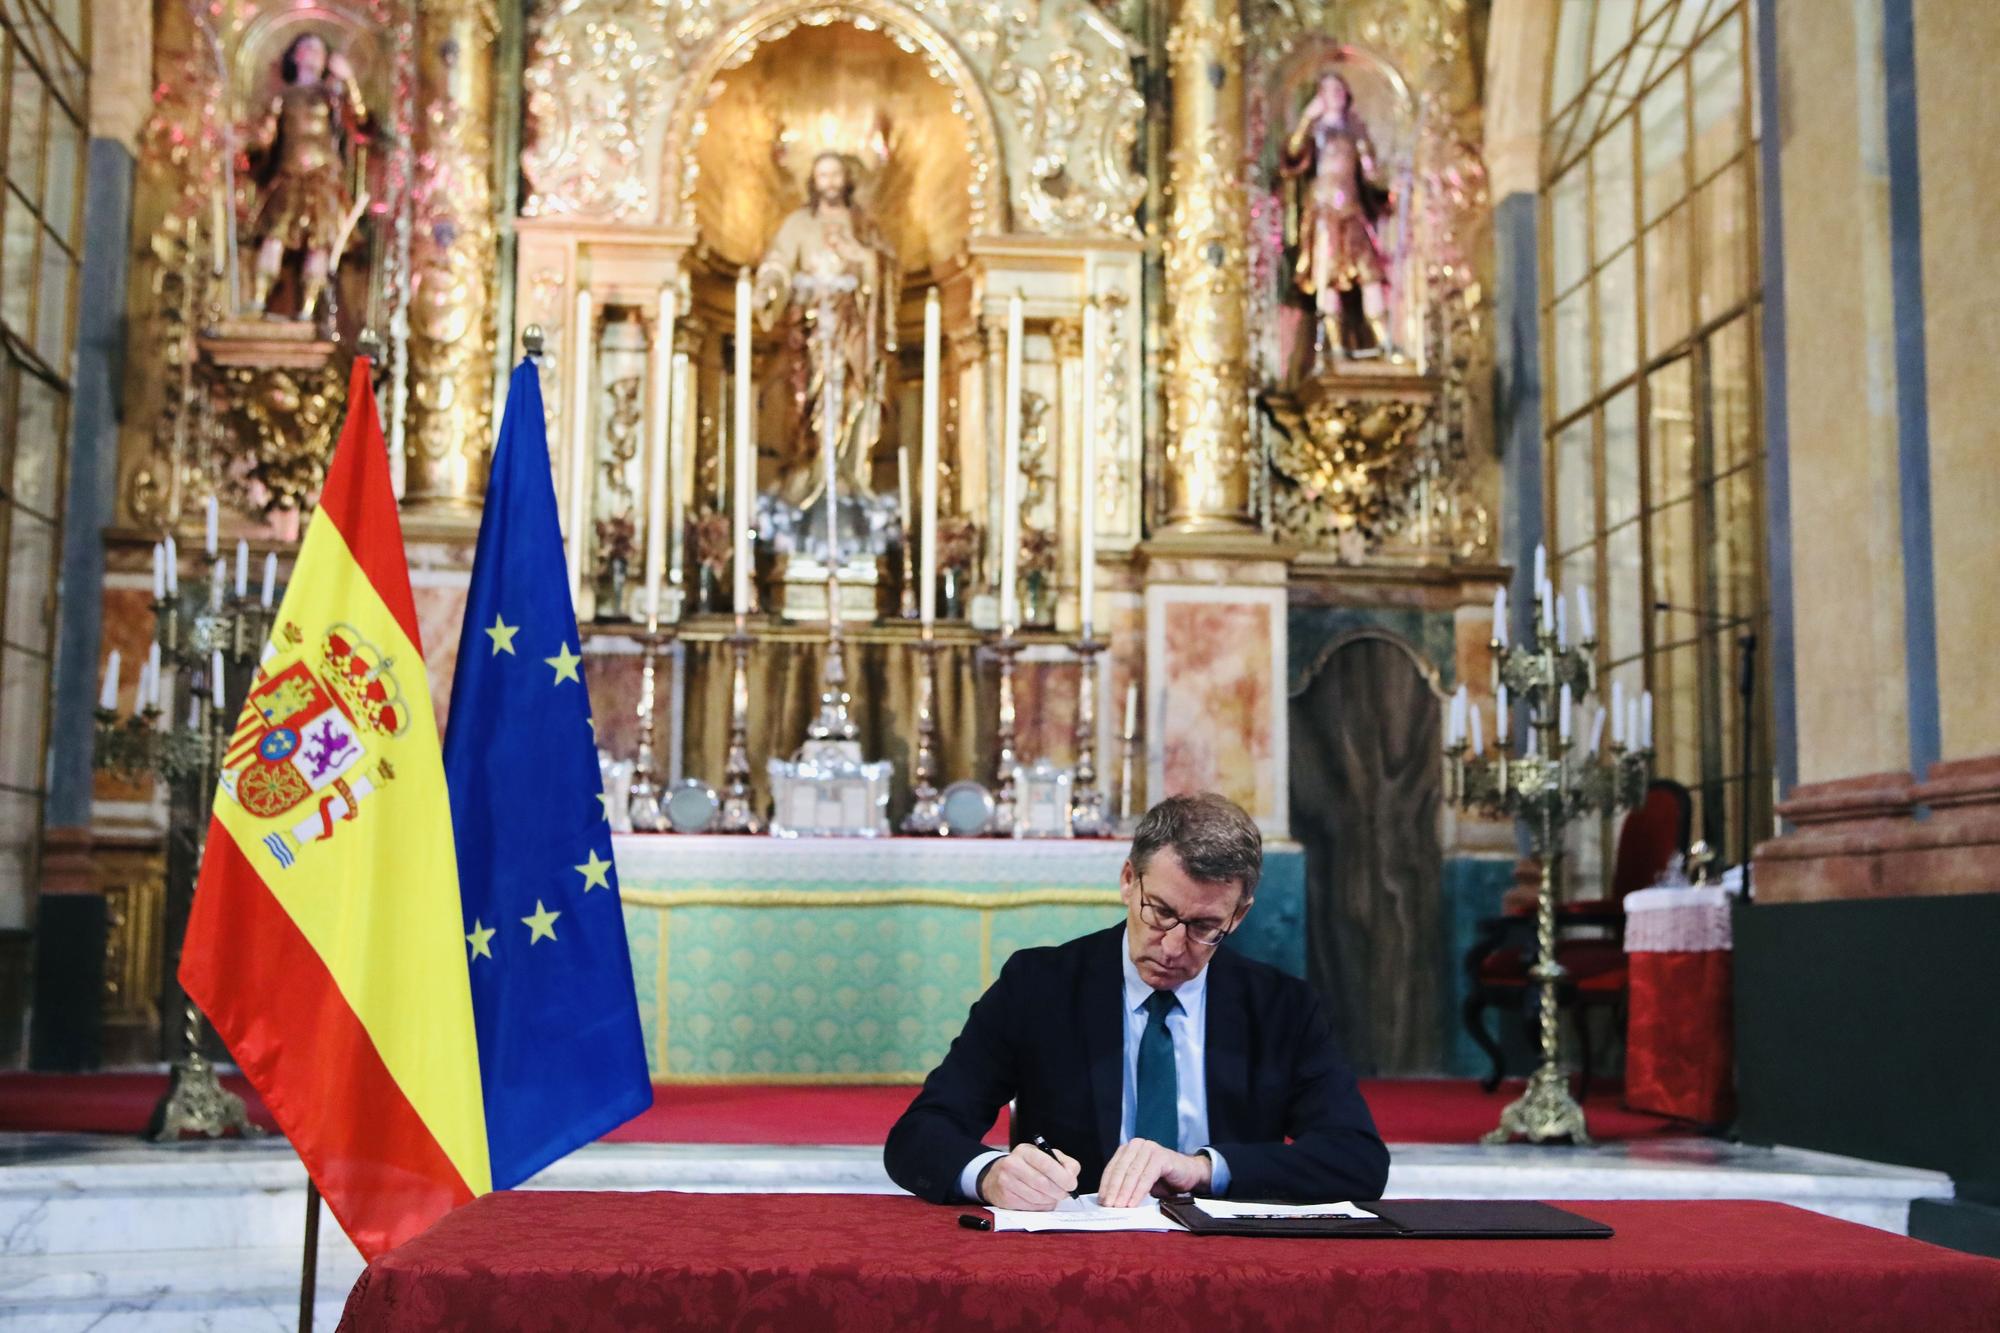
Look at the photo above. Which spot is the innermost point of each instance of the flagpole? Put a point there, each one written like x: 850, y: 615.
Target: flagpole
x: 309, y: 1267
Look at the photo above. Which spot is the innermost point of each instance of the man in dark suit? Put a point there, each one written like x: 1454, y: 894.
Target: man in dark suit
x: 1151, y: 1062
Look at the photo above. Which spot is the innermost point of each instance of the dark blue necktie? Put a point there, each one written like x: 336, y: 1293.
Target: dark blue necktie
x: 1157, y: 1114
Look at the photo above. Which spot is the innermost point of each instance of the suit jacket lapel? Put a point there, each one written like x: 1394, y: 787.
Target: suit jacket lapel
x: 1103, y: 1024
x: 1225, y: 1051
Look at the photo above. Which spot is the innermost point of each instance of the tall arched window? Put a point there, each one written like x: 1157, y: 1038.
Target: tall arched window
x: 1654, y: 447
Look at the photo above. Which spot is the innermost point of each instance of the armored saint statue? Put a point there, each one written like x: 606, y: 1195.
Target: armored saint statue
x: 1335, y: 208
x: 299, y: 152
x: 831, y: 280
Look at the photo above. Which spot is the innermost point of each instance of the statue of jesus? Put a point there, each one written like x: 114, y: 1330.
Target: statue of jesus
x: 832, y: 280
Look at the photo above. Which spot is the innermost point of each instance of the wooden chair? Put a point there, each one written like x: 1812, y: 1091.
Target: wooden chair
x: 1590, y: 936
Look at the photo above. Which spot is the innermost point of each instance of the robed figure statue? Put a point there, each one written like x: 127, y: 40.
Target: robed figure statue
x: 831, y: 280
x: 1335, y: 208
x: 299, y: 152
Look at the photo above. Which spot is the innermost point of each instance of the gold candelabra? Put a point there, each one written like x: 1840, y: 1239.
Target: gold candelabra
x: 205, y: 644
x: 1558, y: 775
x: 927, y: 806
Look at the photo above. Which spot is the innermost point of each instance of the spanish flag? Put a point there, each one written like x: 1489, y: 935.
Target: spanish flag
x: 325, y: 943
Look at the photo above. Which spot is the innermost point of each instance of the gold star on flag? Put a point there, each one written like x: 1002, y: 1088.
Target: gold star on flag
x: 480, y: 938
x: 502, y: 635
x: 565, y: 664
x: 593, y: 872
x: 605, y: 801
x: 542, y: 925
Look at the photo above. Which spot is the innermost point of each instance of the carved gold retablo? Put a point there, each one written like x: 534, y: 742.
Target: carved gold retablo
x: 1349, y: 465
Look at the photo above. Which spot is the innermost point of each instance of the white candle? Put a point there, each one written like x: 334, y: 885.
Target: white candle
x: 208, y: 520
x: 927, y: 472
x: 1562, y: 623
x: 152, y: 699
x: 173, y: 564
x: 215, y: 678
x: 1461, y: 713
x: 1131, y: 710
x: 1501, y: 735
x: 143, y: 700
x: 215, y: 587
x: 1597, y: 731
x: 1534, y: 744
x: 270, y: 580
x: 1548, y: 597
x: 1562, y: 717
x: 1541, y: 566
x: 242, y: 569
x: 1632, y: 724
x: 746, y: 448
x: 581, y: 445
x: 903, y: 514
x: 1646, y: 720
x: 1586, y: 622
x: 659, y: 462
x: 1086, y: 579
x: 1500, y: 615
x: 159, y: 572
x: 1478, y: 733
x: 107, y: 696
x: 1010, y: 470
x: 1617, y: 712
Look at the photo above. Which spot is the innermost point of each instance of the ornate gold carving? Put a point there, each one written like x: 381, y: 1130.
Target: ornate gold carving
x: 600, y: 74
x: 288, y: 417
x: 1114, y: 486
x: 1350, y: 457
x: 453, y: 250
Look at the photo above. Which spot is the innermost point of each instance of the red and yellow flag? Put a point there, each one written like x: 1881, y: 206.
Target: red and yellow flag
x: 325, y: 942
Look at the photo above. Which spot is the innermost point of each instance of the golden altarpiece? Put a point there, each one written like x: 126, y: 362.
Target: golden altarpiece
x: 1271, y: 222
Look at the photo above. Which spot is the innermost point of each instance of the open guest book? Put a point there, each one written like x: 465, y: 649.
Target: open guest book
x: 1406, y: 1219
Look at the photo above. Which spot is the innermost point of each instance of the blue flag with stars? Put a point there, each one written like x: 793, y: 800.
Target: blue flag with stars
x: 561, y: 1059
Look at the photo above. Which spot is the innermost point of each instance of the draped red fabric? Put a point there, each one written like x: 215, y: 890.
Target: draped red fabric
x: 536, y: 1260
x: 1679, y: 1039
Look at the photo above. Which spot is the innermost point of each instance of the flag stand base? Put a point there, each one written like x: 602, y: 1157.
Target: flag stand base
x: 196, y: 1102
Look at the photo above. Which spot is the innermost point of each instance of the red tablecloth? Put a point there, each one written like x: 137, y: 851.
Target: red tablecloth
x: 1679, y: 1036
x: 881, y: 1264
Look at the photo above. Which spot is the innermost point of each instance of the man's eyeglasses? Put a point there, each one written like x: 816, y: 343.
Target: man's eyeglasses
x: 1200, y: 930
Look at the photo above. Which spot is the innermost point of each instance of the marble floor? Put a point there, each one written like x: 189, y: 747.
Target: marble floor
x: 112, y: 1234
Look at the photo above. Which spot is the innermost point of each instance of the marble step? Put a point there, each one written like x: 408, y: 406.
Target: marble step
x: 206, y: 1289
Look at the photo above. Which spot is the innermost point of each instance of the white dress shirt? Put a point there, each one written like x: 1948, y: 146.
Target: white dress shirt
x: 1187, y: 1026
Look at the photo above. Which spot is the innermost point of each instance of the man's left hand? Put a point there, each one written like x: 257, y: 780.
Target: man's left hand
x: 1141, y: 1168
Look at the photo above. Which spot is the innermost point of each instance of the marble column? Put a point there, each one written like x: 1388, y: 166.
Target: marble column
x: 454, y: 254
x: 1205, y: 477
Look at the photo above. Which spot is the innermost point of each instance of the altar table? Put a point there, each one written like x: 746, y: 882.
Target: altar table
x: 544, y: 1260
x: 854, y: 960
x: 1680, y: 1037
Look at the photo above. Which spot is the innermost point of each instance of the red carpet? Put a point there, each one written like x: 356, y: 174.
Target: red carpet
x: 1407, y: 1110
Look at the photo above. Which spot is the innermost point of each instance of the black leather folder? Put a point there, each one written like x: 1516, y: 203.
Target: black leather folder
x: 1407, y: 1219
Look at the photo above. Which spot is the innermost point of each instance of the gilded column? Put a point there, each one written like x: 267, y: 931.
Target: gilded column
x: 454, y: 254
x: 1205, y: 478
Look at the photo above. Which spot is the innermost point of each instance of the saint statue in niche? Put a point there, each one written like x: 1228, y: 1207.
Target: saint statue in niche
x: 1334, y: 210
x: 299, y: 153
x: 831, y: 280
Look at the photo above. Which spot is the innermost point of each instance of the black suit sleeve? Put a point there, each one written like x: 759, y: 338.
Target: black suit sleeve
x: 1335, y: 1151
x: 941, y: 1131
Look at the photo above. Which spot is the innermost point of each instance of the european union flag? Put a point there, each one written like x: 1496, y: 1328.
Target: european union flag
x: 560, y: 1054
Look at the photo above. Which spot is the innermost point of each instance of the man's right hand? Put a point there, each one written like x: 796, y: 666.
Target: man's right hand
x: 1028, y: 1179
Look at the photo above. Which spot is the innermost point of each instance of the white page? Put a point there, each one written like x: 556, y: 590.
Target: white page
x: 1086, y: 1214
x: 1231, y: 1210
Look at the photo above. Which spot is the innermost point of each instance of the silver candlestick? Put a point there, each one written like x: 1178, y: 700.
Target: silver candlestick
x: 1004, y: 759
x: 1087, y: 817
x: 738, y: 816
x: 927, y: 810
x: 642, y: 798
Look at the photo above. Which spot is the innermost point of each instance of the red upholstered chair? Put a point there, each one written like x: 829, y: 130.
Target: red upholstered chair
x: 1590, y: 936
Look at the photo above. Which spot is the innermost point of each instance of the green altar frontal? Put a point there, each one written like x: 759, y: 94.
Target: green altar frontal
x: 831, y: 960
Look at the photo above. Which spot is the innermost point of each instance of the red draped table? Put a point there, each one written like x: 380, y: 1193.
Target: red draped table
x: 1679, y: 1035
x: 545, y: 1261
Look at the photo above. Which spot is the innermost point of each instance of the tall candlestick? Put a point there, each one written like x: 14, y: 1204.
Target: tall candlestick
x: 658, y: 460
x: 581, y: 447
x: 173, y: 564
x: 1086, y: 506
x: 107, y: 697
x: 746, y: 448
x: 208, y: 525
x: 1010, y: 469
x: 242, y: 569
x: 927, y: 473
x: 270, y: 579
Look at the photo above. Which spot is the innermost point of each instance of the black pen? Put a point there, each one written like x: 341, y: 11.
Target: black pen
x: 1050, y: 1149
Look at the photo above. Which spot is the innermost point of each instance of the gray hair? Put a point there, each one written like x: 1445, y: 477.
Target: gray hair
x: 1216, y: 842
